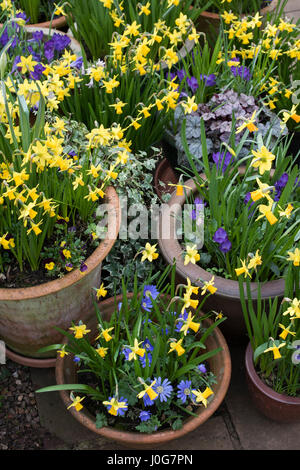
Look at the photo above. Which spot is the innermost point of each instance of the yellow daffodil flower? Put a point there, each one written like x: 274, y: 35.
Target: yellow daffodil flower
x: 201, y: 397
x: 76, y: 403
x: 79, y: 331
x: 177, y: 346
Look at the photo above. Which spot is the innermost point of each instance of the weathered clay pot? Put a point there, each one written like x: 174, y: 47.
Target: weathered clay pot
x: 220, y: 365
x: 227, y: 297
x: 209, y: 23
x: 273, y: 405
x: 57, y: 23
x: 164, y: 174
x: 28, y: 316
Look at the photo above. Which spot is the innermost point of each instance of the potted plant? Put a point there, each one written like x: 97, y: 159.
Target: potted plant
x: 36, y: 13
x: 272, y: 357
x: 138, y: 101
x: 238, y: 214
x: 210, y: 20
x: 51, y: 188
x: 155, y: 371
x: 95, y: 23
x: 27, y: 52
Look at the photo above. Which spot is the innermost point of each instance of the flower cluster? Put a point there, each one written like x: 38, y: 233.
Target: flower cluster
x: 155, y: 340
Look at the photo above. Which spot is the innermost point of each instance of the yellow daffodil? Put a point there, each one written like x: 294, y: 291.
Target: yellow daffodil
x: 255, y: 261
x: 275, y: 350
x: 177, y: 346
x: 189, y: 324
x: 80, y: 331
x: 201, y: 397
x: 285, y: 331
x: 243, y: 270
x: 294, y: 256
x: 191, y: 255
x: 149, y: 253
x: 209, y: 286
x: 263, y: 160
x: 76, y: 403
x: 102, y: 351
x: 101, y: 292
x: 148, y: 390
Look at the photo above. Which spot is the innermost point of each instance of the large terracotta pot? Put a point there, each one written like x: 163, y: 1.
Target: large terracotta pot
x: 28, y: 316
x: 59, y: 23
x: 220, y: 365
x: 273, y: 405
x: 209, y: 23
x: 227, y: 297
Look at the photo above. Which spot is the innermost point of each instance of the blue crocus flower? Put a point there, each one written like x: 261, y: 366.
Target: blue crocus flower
x: 163, y: 388
x: 145, y: 415
x: 184, y: 390
x: 143, y: 359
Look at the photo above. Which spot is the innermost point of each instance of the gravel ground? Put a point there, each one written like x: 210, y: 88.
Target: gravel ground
x: 20, y: 427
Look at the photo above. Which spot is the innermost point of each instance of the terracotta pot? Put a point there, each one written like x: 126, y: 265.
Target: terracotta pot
x: 28, y: 316
x: 164, y: 174
x: 220, y: 365
x: 57, y: 23
x: 227, y: 297
x: 273, y: 405
x: 209, y: 23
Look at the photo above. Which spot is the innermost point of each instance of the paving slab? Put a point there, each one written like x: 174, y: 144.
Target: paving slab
x: 69, y: 434
x: 254, y: 430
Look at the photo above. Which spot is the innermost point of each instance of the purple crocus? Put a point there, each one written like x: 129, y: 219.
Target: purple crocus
x: 222, y: 160
x: 181, y: 74
x: 38, y: 71
x: 242, y: 71
x: 222, y: 239
x: 202, y: 368
x: 209, y: 80
x: 280, y: 185
x: 220, y: 235
x: 38, y: 36
x: 193, y: 83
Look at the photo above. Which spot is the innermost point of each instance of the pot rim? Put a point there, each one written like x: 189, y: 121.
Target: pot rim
x: 264, y: 11
x: 56, y: 23
x: 51, y: 287
x: 261, y: 386
x: 158, y: 437
x: 171, y: 249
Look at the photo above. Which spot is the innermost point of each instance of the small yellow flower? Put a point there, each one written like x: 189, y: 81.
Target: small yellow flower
x: 102, y: 351
x: 49, y: 266
x: 263, y: 160
x: 294, y: 256
x: 76, y: 403
x: 149, y: 391
x: 79, y: 331
x: 243, y: 270
x: 201, y: 397
x: 255, y: 261
x: 176, y: 346
x: 209, y: 286
x: 192, y: 255
x: 275, y: 350
x: 149, y: 252
x: 101, y: 292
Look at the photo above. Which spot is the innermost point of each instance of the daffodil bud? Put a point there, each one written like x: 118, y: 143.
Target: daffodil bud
x: 3, y: 64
